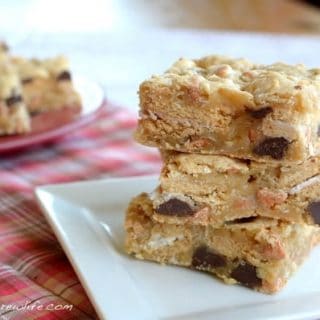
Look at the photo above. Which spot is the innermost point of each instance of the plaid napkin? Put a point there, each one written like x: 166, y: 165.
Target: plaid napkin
x: 36, y: 279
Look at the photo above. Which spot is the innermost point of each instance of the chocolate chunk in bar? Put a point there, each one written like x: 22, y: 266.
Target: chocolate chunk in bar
x: 242, y: 220
x: 175, y: 207
x: 26, y: 80
x: 13, y: 100
x: 318, y: 131
x: 206, y: 258
x: 259, y: 113
x: 252, y: 178
x: 246, y: 274
x: 314, y: 210
x: 64, y: 75
x: 273, y: 147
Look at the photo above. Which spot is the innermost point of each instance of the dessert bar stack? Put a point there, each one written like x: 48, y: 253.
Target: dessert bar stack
x: 31, y: 86
x: 239, y: 192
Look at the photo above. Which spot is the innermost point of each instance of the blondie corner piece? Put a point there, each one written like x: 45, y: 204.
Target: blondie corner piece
x: 14, y: 117
x: 261, y: 255
x: 218, y: 105
x: 210, y: 189
x: 47, y: 84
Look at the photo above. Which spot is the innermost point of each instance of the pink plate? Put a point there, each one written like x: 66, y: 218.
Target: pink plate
x: 54, y: 124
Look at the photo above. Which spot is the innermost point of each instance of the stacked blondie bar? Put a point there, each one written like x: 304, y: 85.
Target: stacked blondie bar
x: 239, y: 192
x: 31, y: 86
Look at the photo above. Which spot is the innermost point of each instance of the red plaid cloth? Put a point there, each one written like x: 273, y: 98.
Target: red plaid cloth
x: 36, y: 279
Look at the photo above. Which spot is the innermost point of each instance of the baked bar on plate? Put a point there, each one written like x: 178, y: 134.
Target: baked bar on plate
x: 261, y: 254
x: 233, y: 107
x: 47, y: 84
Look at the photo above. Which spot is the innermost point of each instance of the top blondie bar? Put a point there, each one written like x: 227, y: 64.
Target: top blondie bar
x: 233, y: 107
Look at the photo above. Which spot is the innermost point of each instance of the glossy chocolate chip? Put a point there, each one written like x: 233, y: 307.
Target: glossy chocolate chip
x: 64, y: 75
x: 246, y: 274
x: 252, y: 178
x: 175, y: 207
x: 273, y: 147
x: 314, y: 210
x: 26, y: 80
x: 260, y: 113
x: 13, y: 99
x: 205, y: 258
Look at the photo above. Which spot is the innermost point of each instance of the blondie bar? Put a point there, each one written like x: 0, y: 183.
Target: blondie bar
x: 260, y: 254
x: 14, y: 117
x: 47, y: 84
x: 209, y: 189
x: 218, y: 105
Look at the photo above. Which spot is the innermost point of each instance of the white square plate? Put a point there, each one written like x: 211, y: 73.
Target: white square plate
x: 88, y: 217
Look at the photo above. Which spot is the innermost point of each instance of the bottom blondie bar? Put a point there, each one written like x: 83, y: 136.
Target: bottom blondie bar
x: 260, y: 254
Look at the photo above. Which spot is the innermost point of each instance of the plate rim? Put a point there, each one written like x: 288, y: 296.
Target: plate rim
x: 49, y: 189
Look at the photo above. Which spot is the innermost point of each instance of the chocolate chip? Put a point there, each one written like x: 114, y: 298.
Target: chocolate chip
x: 175, y: 207
x: 204, y: 258
x: 273, y: 147
x: 298, y: 87
x: 245, y: 161
x: 252, y: 179
x: 13, y: 99
x: 242, y: 220
x: 259, y: 113
x: 26, y: 80
x: 314, y: 210
x: 318, y: 131
x: 34, y: 113
x: 64, y: 75
x: 246, y: 274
